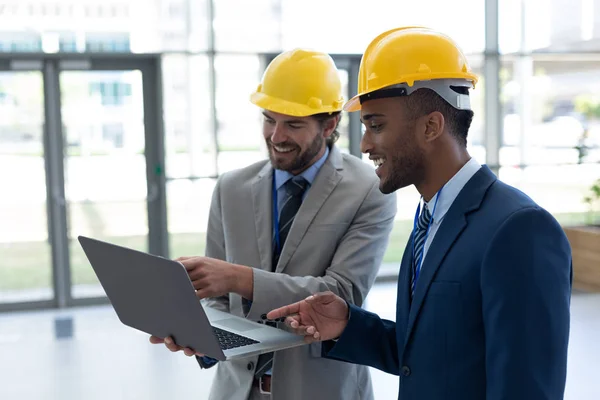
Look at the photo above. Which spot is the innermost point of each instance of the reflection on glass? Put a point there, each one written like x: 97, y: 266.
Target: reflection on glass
x: 25, y: 259
x: 105, y: 168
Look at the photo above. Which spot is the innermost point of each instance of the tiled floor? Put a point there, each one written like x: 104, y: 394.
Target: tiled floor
x: 106, y: 360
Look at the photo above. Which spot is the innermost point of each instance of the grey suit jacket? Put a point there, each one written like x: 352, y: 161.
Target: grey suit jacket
x: 336, y: 242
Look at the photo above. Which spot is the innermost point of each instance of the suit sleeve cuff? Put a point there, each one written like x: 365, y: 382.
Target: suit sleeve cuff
x: 334, y: 348
x: 261, y: 303
x: 206, y: 362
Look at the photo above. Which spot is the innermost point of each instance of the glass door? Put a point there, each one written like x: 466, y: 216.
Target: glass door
x: 105, y: 165
x: 81, y: 153
x: 113, y: 157
x: 25, y: 251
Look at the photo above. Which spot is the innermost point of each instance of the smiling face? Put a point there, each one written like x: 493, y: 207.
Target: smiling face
x: 391, y: 140
x: 295, y: 143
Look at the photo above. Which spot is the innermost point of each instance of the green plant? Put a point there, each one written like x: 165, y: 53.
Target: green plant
x: 593, y: 201
x: 588, y: 105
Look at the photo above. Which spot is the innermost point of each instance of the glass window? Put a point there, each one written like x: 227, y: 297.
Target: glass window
x: 343, y: 143
x: 107, y: 42
x: 67, y: 42
x: 248, y: 26
x: 551, y: 141
x: 342, y: 26
x: 560, y: 189
x: 20, y: 41
x: 180, y: 25
x: 25, y: 255
x: 105, y: 167
x: 188, y: 209
x: 476, y: 137
x: 551, y: 110
x: 190, y: 151
x: 239, y: 121
x: 189, y: 139
x: 549, y: 25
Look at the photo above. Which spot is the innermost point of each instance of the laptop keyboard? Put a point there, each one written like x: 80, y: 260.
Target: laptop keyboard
x: 229, y: 340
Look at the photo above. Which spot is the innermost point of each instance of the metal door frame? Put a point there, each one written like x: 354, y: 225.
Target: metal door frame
x: 50, y: 66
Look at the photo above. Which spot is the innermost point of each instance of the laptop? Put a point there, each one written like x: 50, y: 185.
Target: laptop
x: 155, y: 295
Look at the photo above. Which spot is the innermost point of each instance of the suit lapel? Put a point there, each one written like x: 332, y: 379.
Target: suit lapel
x: 403, y: 300
x: 263, y: 207
x: 326, y: 180
x: 455, y: 221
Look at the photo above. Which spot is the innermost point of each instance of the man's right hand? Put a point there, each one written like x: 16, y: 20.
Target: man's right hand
x: 322, y: 316
x: 170, y: 343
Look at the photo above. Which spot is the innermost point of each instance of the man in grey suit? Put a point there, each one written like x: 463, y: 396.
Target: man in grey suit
x: 312, y: 219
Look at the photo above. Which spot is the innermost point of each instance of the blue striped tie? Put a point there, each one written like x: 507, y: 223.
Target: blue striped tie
x: 294, y: 189
x: 419, y: 243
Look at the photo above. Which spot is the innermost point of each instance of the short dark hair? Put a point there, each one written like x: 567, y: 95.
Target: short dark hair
x: 425, y: 101
x: 323, y: 118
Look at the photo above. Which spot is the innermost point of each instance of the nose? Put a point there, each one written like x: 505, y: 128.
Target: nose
x: 278, y: 135
x: 365, y: 143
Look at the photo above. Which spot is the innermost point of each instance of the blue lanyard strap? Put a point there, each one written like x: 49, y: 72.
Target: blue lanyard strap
x: 275, y: 217
x: 417, y: 214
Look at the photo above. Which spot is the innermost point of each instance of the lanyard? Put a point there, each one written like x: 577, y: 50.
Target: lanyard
x: 275, y: 217
x: 420, y: 260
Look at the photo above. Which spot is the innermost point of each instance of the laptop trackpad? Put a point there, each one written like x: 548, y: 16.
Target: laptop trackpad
x: 238, y: 324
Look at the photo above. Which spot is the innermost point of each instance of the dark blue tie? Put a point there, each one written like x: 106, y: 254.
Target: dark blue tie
x: 294, y: 189
x: 419, y: 243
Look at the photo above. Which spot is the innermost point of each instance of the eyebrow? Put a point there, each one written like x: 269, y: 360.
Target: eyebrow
x: 367, y: 117
x: 289, y: 121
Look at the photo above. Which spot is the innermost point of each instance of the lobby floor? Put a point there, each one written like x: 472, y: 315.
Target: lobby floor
x: 103, y: 359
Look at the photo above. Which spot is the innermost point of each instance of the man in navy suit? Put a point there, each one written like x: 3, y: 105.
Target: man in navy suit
x: 485, y: 281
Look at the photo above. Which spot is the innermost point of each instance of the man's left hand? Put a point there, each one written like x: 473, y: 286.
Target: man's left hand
x: 214, y: 278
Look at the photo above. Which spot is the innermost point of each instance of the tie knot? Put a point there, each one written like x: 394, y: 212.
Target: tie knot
x: 296, y: 186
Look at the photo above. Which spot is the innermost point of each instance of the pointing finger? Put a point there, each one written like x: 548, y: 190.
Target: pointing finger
x: 284, y: 311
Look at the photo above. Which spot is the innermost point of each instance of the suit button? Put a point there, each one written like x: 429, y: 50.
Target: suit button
x: 405, y: 371
x: 250, y: 366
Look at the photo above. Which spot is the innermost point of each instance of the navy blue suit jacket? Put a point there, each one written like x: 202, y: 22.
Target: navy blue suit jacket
x: 490, y: 315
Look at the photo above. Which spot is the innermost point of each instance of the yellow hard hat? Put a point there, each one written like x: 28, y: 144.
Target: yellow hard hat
x: 405, y: 59
x: 300, y: 82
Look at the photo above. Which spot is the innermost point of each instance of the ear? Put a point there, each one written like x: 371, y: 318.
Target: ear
x: 434, y: 126
x: 330, y: 124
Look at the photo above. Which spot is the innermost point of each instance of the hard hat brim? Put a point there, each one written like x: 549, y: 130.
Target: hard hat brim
x: 287, y: 107
x: 354, y: 104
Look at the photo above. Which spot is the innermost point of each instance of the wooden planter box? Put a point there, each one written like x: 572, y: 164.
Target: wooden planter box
x: 585, y: 245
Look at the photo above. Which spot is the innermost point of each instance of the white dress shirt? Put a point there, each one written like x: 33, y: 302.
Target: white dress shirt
x: 449, y: 193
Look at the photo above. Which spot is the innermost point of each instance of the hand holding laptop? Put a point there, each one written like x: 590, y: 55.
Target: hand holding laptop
x: 171, y: 345
x: 158, y: 296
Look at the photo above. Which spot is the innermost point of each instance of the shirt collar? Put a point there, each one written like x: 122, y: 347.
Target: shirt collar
x: 451, y: 190
x: 281, y: 177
